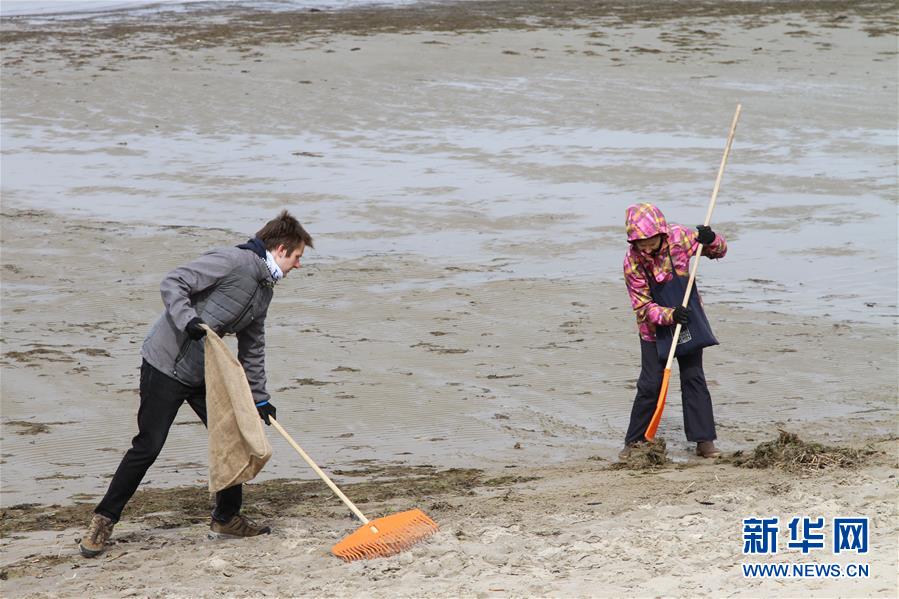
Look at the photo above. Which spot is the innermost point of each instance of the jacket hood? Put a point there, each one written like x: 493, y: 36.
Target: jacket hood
x: 255, y: 245
x: 644, y: 221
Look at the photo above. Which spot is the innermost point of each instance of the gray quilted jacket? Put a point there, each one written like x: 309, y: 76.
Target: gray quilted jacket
x: 230, y: 289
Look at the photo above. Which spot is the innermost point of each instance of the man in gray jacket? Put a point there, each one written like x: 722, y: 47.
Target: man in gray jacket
x: 228, y: 289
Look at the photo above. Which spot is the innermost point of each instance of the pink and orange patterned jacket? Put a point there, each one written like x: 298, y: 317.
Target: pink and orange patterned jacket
x: 642, y: 222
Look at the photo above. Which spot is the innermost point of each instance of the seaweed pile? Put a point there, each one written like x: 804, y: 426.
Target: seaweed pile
x: 791, y: 453
x: 649, y: 455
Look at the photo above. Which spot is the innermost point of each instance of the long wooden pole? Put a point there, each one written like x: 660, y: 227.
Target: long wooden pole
x: 663, y: 392
x: 319, y: 471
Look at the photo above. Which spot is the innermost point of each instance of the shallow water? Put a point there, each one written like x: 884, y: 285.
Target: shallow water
x: 53, y: 10
x: 479, y: 191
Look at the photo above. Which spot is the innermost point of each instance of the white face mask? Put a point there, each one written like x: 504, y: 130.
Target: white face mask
x: 273, y: 267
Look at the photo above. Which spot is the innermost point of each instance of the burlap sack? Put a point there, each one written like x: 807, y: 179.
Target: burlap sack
x: 238, y: 447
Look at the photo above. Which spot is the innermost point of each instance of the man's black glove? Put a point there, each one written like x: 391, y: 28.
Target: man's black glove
x: 681, y: 315
x: 266, y: 410
x: 194, y: 330
x: 706, y: 235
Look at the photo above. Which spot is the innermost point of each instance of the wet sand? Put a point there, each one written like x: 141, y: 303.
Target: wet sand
x: 578, y: 529
x: 432, y: 130
x: 446, y: 322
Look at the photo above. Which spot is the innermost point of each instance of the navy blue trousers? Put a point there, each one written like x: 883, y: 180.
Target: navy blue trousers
x: 160, y: 398
x: 699, y: 421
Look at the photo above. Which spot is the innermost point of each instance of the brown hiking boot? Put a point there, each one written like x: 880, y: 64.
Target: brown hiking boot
x: 625, y: 453
x: 707, y: 449
x: 99, y: 532
x: 239, y: 526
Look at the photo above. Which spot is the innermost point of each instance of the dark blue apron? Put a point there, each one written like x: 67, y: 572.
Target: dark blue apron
x: 693, y: 336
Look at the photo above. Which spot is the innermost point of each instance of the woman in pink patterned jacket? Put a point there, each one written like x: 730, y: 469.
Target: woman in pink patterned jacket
x: 655, y: 270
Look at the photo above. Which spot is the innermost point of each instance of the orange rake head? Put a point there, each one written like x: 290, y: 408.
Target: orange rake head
x: 660, y: 406
x: 386, y: 536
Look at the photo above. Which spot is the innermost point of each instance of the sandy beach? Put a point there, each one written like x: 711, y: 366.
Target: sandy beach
x: 461, y: 341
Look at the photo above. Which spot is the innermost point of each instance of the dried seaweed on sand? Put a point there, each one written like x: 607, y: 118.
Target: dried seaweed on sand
x: 649, y: 455
x: 791, y: 453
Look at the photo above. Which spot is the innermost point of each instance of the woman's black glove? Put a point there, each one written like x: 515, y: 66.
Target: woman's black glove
x: 706, y: 235
x: 194, y: 328
x: 681, y: 315
x: 266, y: 410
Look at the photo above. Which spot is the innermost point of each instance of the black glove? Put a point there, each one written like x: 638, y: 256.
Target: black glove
x: 266, y: 410
x: 194, y: 330
x: 681, y: 315
x: 706, y: 235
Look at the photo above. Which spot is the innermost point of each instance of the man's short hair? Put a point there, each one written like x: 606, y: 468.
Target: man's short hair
x: 284, y: 230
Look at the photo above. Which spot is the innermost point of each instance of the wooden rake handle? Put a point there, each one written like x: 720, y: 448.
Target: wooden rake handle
x: 319, y: 471
x: 653, y: 426
x: 708, y: 218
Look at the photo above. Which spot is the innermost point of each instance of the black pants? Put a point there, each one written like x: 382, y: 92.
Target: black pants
x: 699, y: 422
x: 160, y: 398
